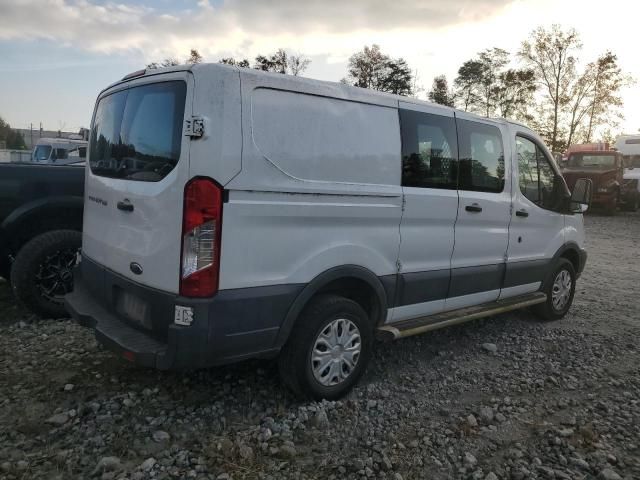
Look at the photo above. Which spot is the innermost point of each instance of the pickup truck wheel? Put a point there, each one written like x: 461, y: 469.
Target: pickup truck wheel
x: 328, y: 350
x: 560, y: 288
x: 612, y: 209
x: 41, y: 274
x: 632, y: 203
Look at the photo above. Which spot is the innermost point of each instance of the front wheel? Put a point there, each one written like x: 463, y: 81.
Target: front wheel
x: 612, y: 208
x: 41, y: 274
x: 632, y: 203
x: 560, y: 289
x: 328, y: 349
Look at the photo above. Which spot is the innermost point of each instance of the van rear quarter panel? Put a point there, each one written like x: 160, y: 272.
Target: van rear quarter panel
x: 319, y: 186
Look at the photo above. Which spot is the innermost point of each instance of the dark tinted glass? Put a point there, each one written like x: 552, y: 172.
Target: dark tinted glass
x: 429, y: 150
x: 137, y: 132
x: 481, y: 157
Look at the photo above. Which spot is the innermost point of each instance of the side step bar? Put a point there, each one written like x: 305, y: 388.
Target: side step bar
x: 419, y: 325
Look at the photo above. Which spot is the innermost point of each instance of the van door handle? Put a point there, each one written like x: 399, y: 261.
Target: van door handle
x: 125, y: 206
x: 473, y: 208
x: 522, y: 213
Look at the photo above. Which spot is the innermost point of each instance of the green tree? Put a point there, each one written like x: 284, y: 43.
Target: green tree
x: 244, y: 63
x: 551, y: 54
x: 167, y: 62
x: 467, y: 84
x: 440, y: 92
x: 370, y: 68
x: 12, y: 139
x: 282, y: 62
x: 513, y: 93
x: 478, y: 78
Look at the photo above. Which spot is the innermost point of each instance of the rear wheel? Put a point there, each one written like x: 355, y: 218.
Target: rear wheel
x: 328, y: 349
x: 560, y: 289
x: 41, y: 274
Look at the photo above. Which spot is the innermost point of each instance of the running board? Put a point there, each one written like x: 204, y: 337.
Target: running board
x: 419, y: 325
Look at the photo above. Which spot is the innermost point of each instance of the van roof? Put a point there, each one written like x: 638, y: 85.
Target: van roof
x: 349, y: 91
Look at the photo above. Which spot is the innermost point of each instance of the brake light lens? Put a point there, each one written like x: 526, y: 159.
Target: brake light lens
x: 201, y: 238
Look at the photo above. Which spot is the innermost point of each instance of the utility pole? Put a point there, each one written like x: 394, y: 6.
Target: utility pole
x: 31, y: 134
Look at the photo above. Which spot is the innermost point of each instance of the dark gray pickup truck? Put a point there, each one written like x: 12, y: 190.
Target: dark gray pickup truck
x: 40, y: 224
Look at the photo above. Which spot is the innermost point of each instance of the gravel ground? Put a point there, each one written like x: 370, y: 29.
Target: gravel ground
x: 506, y: 397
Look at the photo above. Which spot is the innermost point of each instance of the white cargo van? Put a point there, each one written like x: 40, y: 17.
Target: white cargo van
x: 232, y: 213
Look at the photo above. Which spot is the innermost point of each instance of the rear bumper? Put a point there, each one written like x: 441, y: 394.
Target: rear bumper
x: 233, y: 325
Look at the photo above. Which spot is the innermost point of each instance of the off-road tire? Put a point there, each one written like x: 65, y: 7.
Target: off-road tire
x: 546, y: 311
x: 27, y: 264
x: 295, y: 358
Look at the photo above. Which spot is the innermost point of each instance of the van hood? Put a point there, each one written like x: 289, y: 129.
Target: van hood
x: 599, y: 177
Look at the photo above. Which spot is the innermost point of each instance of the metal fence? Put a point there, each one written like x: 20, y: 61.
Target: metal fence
x: 14, y: 156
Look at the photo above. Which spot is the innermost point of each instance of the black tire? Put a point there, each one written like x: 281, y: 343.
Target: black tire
x: 5, y: 271
x: 295, y: 362
x: 547, y: 310
x: 631, y: 205
x: 613, y: 209
x: 33, y: 272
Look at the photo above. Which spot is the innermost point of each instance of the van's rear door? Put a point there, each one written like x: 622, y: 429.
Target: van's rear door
x: 138, y: 167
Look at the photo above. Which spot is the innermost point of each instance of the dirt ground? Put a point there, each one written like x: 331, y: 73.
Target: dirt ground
x: 555, y: 400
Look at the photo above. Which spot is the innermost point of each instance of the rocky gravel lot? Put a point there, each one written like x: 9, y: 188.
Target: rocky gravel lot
x: 504, y: 398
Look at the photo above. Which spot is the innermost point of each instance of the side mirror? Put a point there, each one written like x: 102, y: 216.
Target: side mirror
x: 581, y: 195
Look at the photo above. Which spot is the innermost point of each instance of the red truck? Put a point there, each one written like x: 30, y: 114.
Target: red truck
x: 605, y: 167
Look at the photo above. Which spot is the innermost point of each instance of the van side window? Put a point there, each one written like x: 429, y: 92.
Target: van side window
x: 481, y: 157
x: 536, y: 177
x: 429, y: 150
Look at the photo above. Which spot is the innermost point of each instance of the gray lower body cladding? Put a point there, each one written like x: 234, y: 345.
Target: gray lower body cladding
x: 231, y: 326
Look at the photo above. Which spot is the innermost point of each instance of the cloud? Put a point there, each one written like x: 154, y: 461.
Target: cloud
x: 237, y: 27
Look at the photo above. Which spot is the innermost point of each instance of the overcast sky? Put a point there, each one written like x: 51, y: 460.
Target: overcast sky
x: 56, y: 55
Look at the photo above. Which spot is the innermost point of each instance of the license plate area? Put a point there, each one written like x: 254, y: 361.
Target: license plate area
x: 133, y: 308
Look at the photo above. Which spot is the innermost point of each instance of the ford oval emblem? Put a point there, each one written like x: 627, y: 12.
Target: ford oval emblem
x: 135, y: 268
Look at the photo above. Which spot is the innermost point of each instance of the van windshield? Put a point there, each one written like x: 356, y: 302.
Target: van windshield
x: 41, y: 153
x: 137, y: 132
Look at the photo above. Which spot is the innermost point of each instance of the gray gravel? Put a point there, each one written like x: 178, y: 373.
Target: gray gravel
x: 507, y: 397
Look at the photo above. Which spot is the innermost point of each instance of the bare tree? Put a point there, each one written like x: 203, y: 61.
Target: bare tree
x: 194, y: 57
x: 608, y: 81
x: 298, y: 64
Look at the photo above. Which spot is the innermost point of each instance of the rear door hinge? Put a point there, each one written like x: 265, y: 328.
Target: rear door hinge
x: 194, y: 127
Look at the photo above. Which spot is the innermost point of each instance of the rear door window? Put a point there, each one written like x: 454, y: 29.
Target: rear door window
x: 137, y: 132
x: 429, y: 150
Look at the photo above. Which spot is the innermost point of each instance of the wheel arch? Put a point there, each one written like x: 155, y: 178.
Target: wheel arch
x: 570, y: 251
x: 351, y: 281
x: 39, y: 216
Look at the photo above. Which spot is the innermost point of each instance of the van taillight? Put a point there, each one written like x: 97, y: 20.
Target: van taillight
x: 201, y: 229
